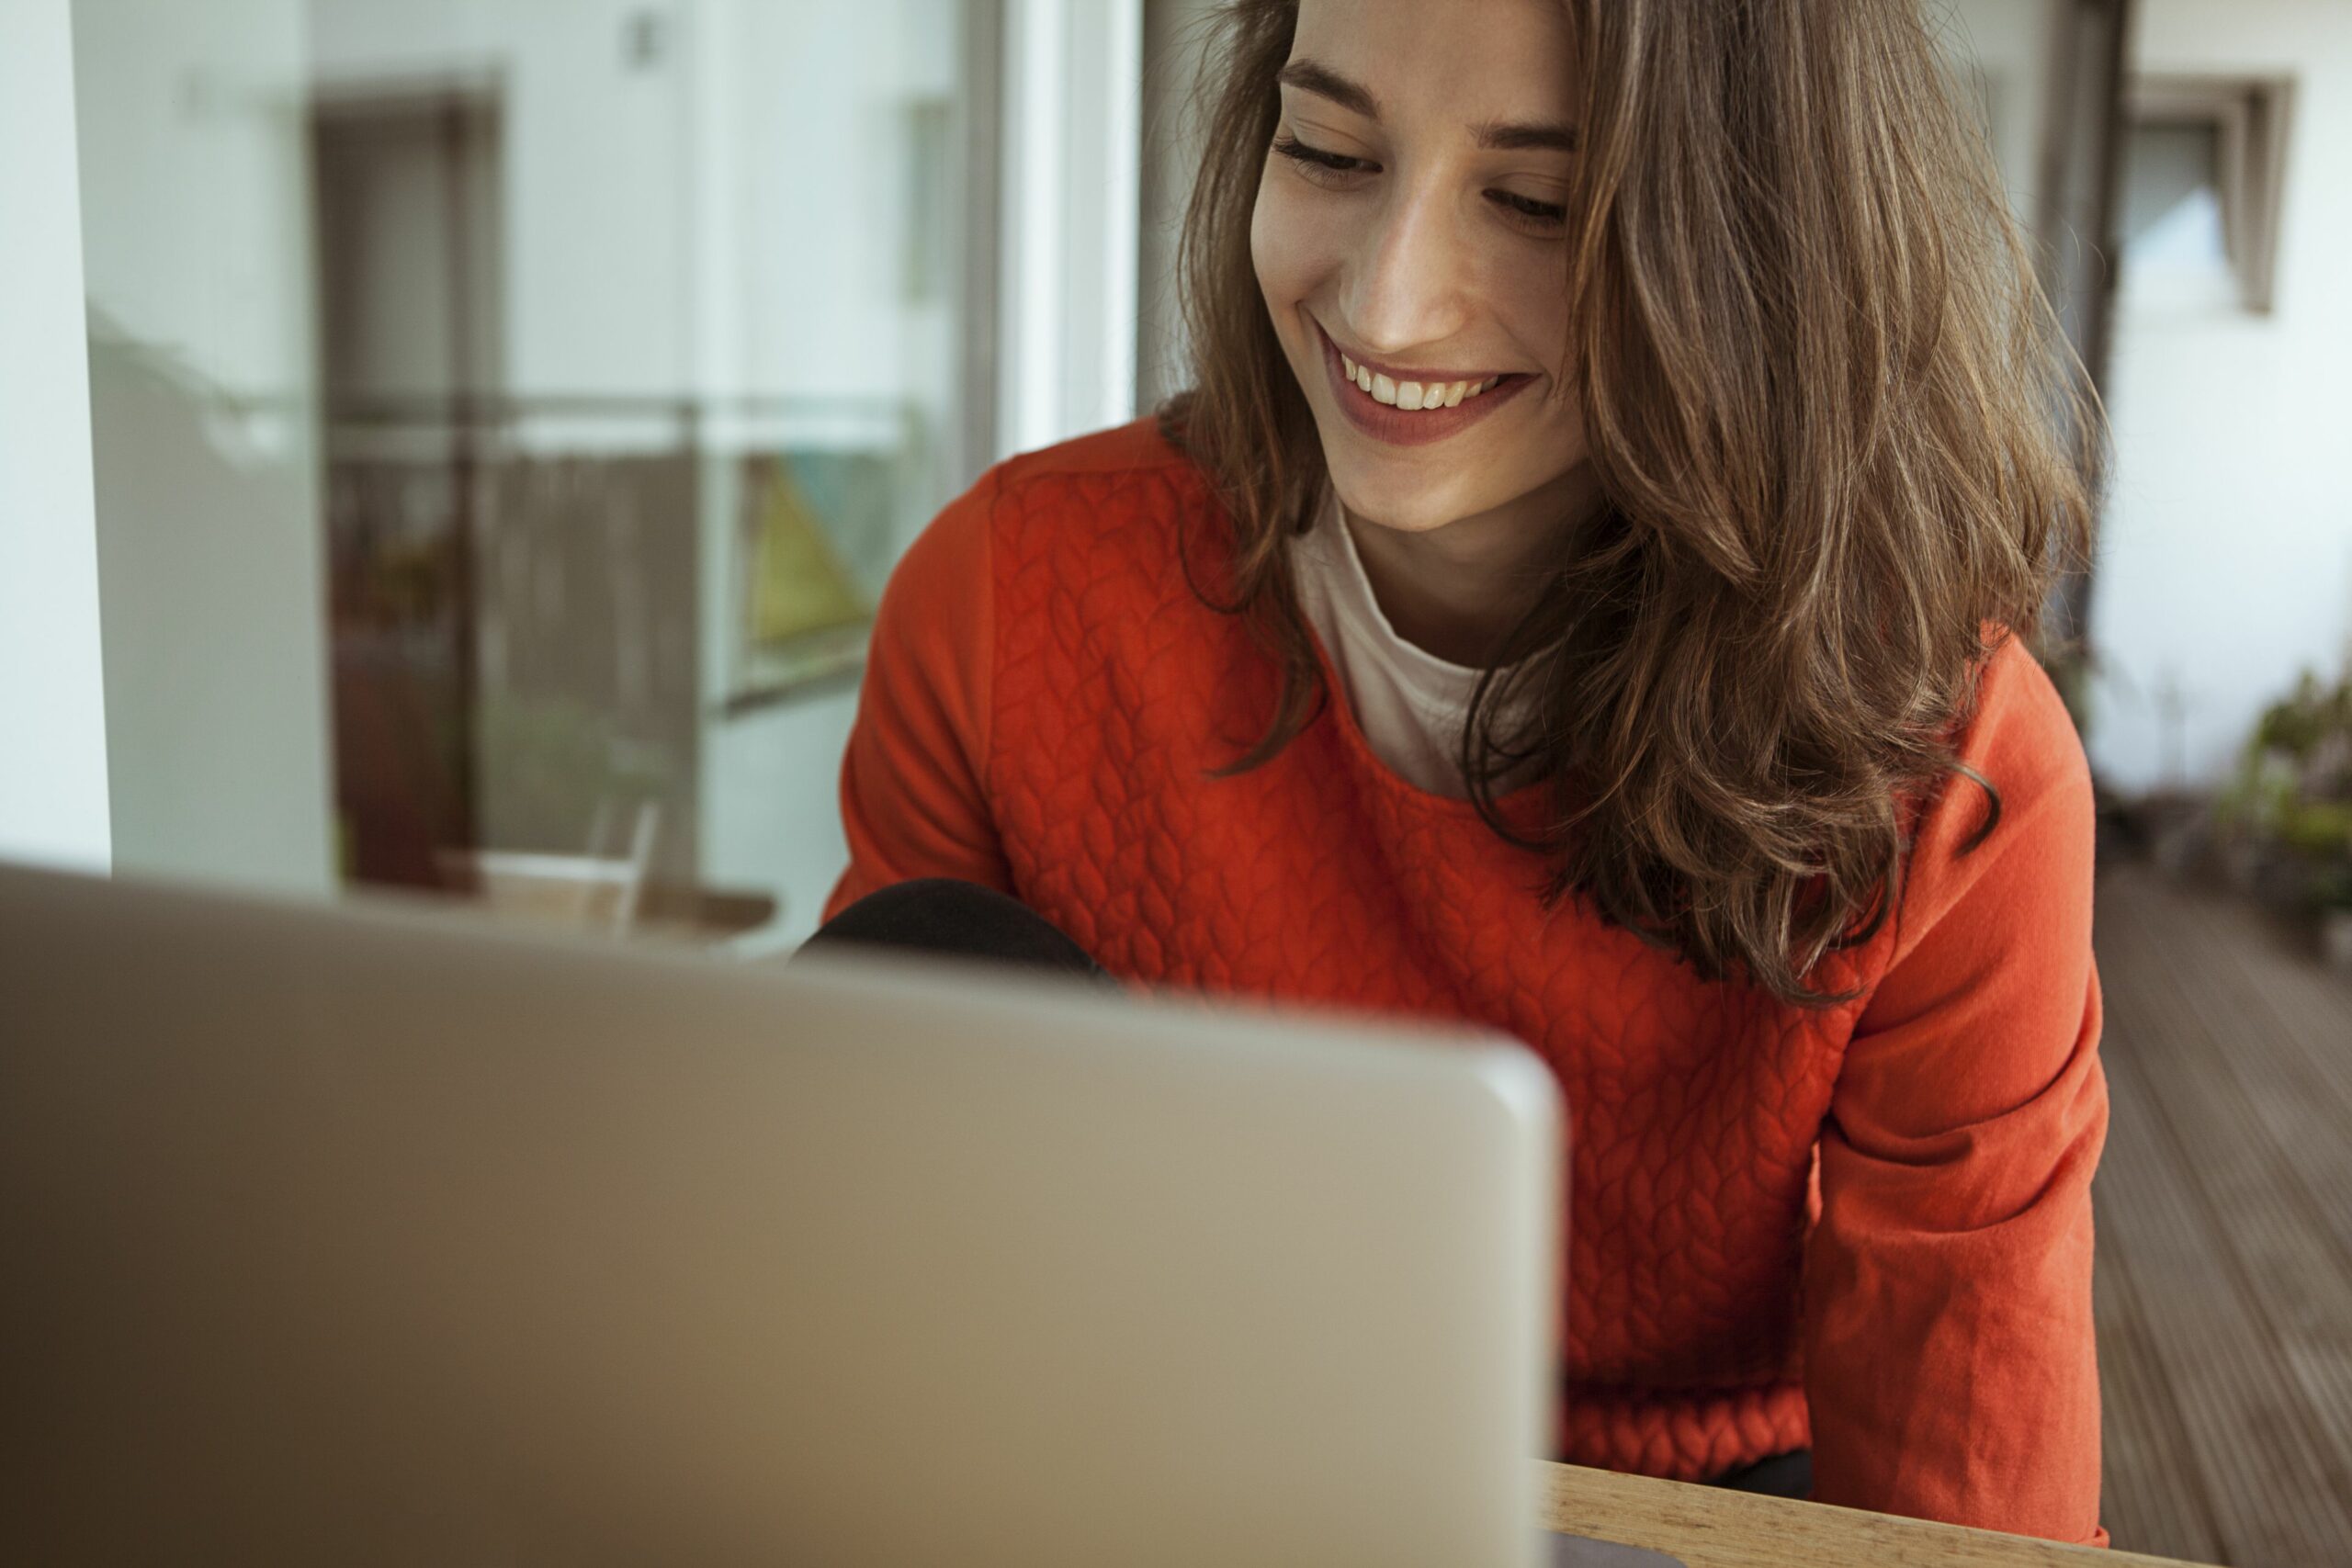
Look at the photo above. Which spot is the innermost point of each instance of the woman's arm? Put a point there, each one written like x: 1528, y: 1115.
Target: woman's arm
x: 1949, y: 1360
x: 913, y: 801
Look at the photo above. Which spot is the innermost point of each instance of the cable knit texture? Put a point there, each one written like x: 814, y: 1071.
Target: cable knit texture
x: 1866, y: 1230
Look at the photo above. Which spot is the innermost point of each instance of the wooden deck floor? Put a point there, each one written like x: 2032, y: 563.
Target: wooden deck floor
x: 2223, y: 1212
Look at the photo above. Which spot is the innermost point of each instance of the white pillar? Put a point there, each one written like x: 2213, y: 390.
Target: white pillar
x: 194, y: 224
x: 53, y: 801
x: 1073, y: 91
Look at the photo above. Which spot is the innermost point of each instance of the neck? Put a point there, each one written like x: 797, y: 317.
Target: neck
x: 1454, y: 592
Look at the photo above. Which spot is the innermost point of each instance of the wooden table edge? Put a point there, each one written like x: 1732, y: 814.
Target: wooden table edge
x: 1710, y: 1526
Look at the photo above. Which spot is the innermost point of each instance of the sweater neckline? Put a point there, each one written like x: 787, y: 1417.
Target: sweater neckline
x: 1430, y: 682
x: 1511, y: 806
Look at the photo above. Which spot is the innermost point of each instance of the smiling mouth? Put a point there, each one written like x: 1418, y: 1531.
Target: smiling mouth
x: 1456, y: 410
x: 1428, y: 388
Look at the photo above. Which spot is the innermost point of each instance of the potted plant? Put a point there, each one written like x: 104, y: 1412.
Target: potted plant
x: 2286, y: 819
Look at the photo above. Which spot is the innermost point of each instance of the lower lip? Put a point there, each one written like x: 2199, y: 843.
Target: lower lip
x: 1411, y: 427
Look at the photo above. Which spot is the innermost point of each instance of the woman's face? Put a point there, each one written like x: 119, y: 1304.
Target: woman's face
x: 1435, y: 245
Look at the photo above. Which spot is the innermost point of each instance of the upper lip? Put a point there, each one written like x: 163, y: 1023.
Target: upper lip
x: 1396, y: 374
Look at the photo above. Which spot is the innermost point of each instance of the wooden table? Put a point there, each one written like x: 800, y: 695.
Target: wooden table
x: 1709, y: 1526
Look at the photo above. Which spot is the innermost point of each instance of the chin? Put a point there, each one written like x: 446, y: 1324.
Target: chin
x: 1408, y: 508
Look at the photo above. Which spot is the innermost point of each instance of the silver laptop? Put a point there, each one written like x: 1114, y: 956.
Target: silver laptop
x: 365, y: 1234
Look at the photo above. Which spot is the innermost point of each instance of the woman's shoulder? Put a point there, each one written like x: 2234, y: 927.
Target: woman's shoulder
x: 2020, y: 738
x: 1120, y: 451
x: 2021, y: 734
x: 1118, y: 484
x: 1105, y: 502
x: 1079, y: 508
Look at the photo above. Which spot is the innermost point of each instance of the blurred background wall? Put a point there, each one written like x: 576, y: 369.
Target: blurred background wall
x: 2228, y: 558
x: 197, y: 263
x: 52, y: 686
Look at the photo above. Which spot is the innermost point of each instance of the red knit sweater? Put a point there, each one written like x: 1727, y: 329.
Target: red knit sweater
x: 1043, y: 696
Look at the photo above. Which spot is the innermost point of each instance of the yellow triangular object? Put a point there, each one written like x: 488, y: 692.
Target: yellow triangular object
x: 799, y: 584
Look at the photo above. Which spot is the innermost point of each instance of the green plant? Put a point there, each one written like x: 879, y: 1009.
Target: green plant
x: 2302, y: 724
x: 2290, y: 797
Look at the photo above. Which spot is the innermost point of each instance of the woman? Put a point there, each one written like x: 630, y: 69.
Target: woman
x: 1589, y: 590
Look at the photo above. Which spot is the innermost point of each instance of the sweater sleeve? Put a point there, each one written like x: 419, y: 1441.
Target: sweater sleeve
x: 1950, y: 1367
x: 913, y: 796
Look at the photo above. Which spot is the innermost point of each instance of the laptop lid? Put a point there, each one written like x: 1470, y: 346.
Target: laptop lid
x: 365, y: 1234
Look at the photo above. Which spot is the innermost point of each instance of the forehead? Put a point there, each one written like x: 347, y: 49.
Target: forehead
x: 1468, y: 59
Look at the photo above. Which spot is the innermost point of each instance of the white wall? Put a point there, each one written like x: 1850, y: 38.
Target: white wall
x: 593, y: 148
x: 668, y: 232
x: 195, y: 251
x: 2226, y: 563
x: 2007, y: 42
x: 53, y: 802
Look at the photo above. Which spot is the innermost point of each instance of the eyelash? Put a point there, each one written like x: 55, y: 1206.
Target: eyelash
x: 1316, y: 164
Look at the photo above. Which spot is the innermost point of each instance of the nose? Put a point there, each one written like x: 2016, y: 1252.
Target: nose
x: 1411, y: 284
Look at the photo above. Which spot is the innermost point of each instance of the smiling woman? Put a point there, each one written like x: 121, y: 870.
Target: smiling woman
x: 1413, y: 222
x: 1592, y: 588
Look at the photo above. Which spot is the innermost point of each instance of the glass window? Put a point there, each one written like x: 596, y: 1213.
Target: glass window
x: 506, y: 415
x: 2203, y: 164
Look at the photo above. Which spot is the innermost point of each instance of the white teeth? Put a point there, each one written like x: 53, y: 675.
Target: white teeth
x: 1413, y: 394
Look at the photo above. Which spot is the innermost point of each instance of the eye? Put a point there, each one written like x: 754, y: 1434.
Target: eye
x: 1328, y: 169
x: 1551, y: 215
x: 1311, y: 159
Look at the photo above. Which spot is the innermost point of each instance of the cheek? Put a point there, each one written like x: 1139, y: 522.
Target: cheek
x: 1283, y: 244
x: 1539, y: 314
x: 1265, y: 243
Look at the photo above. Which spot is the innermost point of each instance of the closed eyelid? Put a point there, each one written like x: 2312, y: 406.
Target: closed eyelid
x: 1315, y: 165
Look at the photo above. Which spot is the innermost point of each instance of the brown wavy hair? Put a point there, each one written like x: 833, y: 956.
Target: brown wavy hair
x: 1843, y: 447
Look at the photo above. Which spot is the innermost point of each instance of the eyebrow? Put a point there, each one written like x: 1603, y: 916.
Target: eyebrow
x: 1493, y: 136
